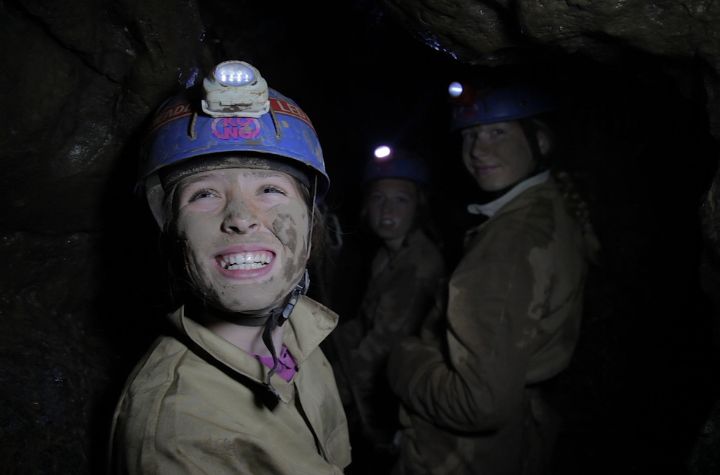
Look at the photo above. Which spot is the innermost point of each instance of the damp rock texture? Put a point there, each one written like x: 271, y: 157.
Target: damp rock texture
x: 81, y: 285
x: 78, y: 80
x: 81, y: 76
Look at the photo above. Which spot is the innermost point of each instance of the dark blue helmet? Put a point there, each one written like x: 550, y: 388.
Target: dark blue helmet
x: 477, y: 106
x: 238, y: 113
x: 401, y: 164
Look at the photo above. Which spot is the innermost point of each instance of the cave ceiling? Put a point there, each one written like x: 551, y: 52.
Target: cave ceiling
x: 501, y: 31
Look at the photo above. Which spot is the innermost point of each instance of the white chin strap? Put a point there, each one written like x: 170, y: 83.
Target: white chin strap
x: 155, y: 197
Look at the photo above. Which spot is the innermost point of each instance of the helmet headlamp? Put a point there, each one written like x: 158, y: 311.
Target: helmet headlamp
x: 235, y: 89
x: 479, y: 103
x: 234, y: 73
x: 455, y: 89
x: 398, y: 163
x: 382, y: 153
x: 239, y: 119
x: 461, y: 94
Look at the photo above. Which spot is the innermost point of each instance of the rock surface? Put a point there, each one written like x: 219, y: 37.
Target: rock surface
x: 82, y: 282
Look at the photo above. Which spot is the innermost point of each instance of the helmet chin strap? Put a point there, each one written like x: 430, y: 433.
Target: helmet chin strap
x: 280, y: 315
x: 276, y: 318
x: 269, y: 321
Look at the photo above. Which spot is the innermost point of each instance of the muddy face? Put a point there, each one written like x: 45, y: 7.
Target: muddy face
x: 497, y: 155
x: 391, y: 205
x: 244, y: 236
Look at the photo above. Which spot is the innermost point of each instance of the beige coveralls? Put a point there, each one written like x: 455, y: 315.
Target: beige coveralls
x: 196, y: 404
x: 471, y: 403
x: 402, y: 290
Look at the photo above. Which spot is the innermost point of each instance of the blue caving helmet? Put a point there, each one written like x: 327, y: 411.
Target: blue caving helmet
x: 477, y: 105
x: 254, y: 119
x: 401, y: 164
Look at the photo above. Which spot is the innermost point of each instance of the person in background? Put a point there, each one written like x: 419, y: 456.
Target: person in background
x: 474, y: 384
x: 238, y: 384
x: 406, y: 272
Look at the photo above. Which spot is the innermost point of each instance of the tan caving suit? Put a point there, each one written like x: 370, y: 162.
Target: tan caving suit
x: 196, y: 404
x: 402, y: 289
x: 470, y: 394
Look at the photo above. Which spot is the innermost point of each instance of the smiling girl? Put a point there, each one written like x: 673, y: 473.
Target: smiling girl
x: 239, y: 384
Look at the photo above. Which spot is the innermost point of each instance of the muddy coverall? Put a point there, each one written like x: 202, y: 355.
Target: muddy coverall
x: 196, y: 404
x: 398, y: 297
x: 471, y: 394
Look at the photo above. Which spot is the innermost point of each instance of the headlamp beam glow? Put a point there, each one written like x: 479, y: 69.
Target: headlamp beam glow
x: 235, y: 89
x: 382, y: 153
x: 233, y: 73
x: 455, y: 89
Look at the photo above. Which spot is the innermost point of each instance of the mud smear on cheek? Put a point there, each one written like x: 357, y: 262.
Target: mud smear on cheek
x: 199, y: 281
x: 285, y: 227
x: 197, y: 275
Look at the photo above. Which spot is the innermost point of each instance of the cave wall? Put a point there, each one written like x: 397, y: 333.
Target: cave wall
x: 78, y: 80
x: 81, y: 288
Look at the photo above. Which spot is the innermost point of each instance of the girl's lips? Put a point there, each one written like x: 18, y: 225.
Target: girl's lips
x: 485, y: 169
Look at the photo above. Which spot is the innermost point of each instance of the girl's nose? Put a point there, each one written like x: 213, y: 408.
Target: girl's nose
x: 478, y: 147
x: 239, y: 219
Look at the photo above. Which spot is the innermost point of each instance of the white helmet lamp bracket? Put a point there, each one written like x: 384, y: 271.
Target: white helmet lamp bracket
x: 235, y: 89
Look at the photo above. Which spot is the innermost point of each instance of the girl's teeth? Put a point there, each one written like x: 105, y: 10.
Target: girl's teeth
x: 246, y: 260
x: 253, y: 265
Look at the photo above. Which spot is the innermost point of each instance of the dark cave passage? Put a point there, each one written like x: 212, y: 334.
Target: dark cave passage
x: 83, y: 286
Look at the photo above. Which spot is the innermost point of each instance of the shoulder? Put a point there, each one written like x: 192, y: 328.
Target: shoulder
x: 532, y: 215
x: 172, y: 384
x: 322, y: 314
x: 526, y: 223
x: 160, y: 382
x: 142, y: 402
x: 158, y: 366
x: 310, y: 323
x: 424, y: 243
x: 425, y: 256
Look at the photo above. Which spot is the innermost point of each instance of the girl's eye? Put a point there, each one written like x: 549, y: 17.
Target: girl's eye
x: 272, y: 189
x: 469, y: 135
x: 375, y: 198
x: 497, y: 132
x: 202, y: 194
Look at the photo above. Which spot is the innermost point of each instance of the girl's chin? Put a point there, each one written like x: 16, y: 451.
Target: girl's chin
x: 248, y: 307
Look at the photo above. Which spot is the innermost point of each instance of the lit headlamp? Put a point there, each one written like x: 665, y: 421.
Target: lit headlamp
x: 455, y: 89
x: 382, y: 153
x: 462, y: 94
x: 235, y: 89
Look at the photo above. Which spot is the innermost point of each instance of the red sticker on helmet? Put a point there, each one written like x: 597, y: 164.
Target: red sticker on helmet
x: 171, y: 113
x: 285, y: 107
x: 229, y: 128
